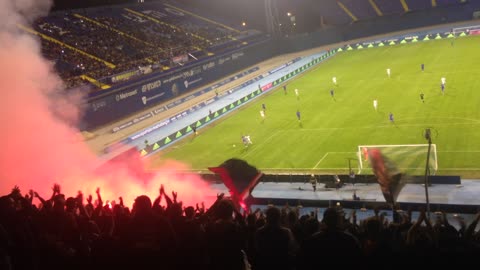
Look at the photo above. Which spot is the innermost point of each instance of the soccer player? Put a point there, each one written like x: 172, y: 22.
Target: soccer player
x: 422, y: 97
x: 298, y: 115
x: 244, y: 141
x: 247, y: 137
x: 262, y: 114
x: 390, y: 116
x: 194, y: 129
x: 264, y: 107
x: 296, y: 93
x: 334, y: 80
x: 388, y: 72
x: 285, y: 89
x: 443, y: 80
x: 375, y: 104
x: 423, y: 67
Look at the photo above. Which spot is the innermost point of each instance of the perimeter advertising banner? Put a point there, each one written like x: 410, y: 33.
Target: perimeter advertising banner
x: 138, y: 94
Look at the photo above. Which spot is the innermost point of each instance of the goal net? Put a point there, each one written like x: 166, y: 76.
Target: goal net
x: 408, y: 158
x: 474, y: 29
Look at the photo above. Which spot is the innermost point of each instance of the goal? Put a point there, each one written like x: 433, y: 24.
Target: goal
x: 474, y: 29
x: 408, y: 158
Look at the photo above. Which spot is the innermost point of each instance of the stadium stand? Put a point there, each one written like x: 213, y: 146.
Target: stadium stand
x: 419, y: 4
x: 362, y: 9
x: 100, y: 42
x: 333, y: 13
x: 390, y: 7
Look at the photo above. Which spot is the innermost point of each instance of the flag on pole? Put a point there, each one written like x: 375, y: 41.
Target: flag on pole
x: 239, y: 177
x: 391, y: 180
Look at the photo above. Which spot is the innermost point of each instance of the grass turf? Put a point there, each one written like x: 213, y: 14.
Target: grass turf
x: 331, y: 129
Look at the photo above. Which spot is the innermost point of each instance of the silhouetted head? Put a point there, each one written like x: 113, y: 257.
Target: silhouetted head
x: 142, y: 204
x: 225, y: 209
x: 331, y: 218
x: 273, y: 216
x: 71, y: 204
x: 190, y: 212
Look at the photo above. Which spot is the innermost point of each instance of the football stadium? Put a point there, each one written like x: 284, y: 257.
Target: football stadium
x: 223, y: 134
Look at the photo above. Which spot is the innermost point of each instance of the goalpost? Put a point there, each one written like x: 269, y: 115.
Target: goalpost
x: 458, y: 30
x: 409, y: 158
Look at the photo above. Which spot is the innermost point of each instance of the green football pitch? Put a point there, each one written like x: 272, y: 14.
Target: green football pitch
x: 331, y: 129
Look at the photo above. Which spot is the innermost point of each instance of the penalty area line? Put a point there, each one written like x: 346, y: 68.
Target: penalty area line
x: 318, y: 163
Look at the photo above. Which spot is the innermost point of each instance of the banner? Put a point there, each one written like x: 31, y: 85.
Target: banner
x: 180, y: 59
x: 145, y: 91
x: 125, y: 76
x: 187, y: 98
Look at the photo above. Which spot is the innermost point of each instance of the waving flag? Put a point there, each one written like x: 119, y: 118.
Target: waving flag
x: 239, y: 177
x: 391, y: 180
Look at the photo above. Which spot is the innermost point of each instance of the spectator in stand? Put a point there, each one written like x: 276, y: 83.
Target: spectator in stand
x: 67, y: 233
x: 274, y: 244
x: 330, y: 243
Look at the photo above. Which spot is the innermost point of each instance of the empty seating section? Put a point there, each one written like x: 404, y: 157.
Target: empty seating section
x: 332, y: 13
x: 360, y: 8
x: 419, y: 4
x: 442, y: 3
x: 390, y: 6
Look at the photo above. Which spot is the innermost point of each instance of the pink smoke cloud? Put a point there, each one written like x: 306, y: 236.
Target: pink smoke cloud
x: 39, y: 143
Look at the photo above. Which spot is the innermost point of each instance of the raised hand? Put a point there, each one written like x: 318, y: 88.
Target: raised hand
x: 97, y: 191
x: 56, y: 188
x: 89, y: 199
x: 174, y: 195
x: 162, y: 189
x: 80, y: 198
x: 220, y: 196
x: 15, y: 190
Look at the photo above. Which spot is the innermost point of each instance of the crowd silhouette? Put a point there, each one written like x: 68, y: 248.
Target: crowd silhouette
x: 81, y: 232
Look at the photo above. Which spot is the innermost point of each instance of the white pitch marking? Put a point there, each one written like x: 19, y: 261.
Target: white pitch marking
x: 324, y: 156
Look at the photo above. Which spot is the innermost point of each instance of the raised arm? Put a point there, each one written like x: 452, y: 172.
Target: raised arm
x: 39, y: 198
x: 80, y: 205
x: 157, y: 201
x: 470, y: 231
